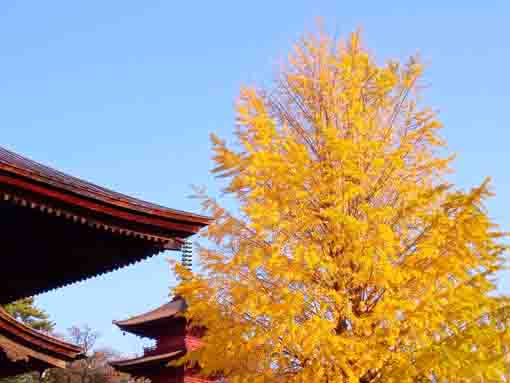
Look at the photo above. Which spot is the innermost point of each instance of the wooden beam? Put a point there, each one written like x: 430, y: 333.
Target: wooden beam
x: 18, y: 353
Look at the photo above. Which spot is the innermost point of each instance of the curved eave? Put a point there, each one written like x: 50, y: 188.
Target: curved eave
x: 36, y: 179
x: 183, y: 225
x: 167, y: 311
x: 121, y: 220
x: 142, y: 363
x: 151, y: 246
x: 23, y: 334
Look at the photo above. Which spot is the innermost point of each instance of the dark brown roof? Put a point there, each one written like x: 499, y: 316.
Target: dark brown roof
x: 140, y: 323
x: 139, y: 362
x: 29, y: 334
x: 23, y: 349
x: 26, y: 168
x: 57, y: 229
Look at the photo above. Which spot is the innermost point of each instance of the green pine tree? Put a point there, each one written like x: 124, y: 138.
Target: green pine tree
x: 26, y: 312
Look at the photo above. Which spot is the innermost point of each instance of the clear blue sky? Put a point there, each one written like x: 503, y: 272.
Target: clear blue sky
x: 125, y: 94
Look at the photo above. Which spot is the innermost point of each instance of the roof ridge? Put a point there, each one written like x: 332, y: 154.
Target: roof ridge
x: 50, y: 175
x: 168, y: 309
x: 37, y: 334
x: 142, y: 359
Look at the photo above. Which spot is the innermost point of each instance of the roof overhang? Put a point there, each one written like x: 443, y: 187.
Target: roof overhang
x: 139, y: 366
x: 23, y: 349
x: 57, y: 229
x: 53, y: 191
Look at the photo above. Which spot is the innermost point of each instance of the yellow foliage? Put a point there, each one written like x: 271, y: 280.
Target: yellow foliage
x: 351, y: 258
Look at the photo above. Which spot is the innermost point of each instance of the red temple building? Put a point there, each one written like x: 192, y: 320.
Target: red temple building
x: 173, y: 338
x: 56, y: 230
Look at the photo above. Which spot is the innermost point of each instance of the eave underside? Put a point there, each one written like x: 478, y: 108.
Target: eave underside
x: 42, y: 252
x: 22, y: 168
x: 23, y: 349
x: 57, y: 229
x: 155, y: 322
x: 48, y: 244
x: 147, y: 365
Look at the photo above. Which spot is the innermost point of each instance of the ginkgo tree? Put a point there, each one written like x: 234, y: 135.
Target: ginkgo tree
x: 350, y: 258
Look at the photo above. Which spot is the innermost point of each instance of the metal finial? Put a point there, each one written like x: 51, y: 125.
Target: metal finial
x: 187, y: 255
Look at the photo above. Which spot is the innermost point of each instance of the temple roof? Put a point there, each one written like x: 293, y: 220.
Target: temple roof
x: 24, y: 349
x: 137, y: 364
x: 32, y: 171
x: 167, y: 310
x: 57, y: 229
x: 142, y: 324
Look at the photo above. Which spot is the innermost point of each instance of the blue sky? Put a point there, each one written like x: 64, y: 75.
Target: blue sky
x: 125, y: 94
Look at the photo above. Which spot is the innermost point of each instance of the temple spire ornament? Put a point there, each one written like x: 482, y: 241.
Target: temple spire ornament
x: 187, y: 255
